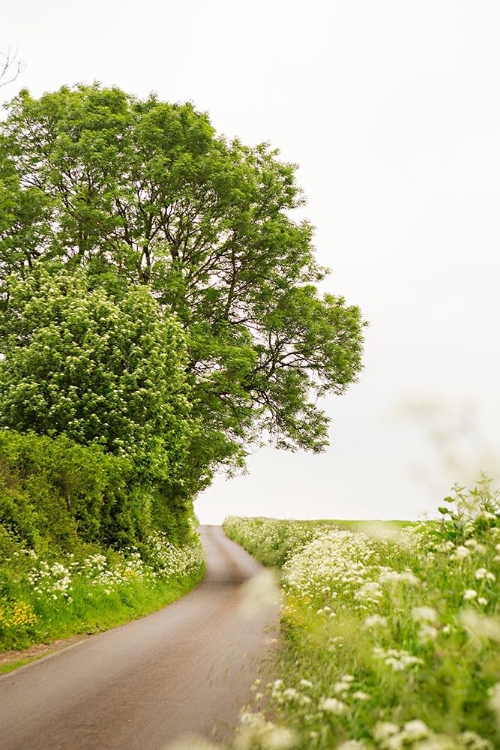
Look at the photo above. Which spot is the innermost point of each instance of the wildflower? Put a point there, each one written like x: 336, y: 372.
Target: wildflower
x: 424, y: 614
x: 476, y: 547
x: 461, y: 553
x: 332, y: 706
x: 415, y: 730
x: 359, y: 695
x: 255, y: 728
x: 473, y: 741
x: 370, y: 590
x: 397, y: 660
x: 384, y: 729
x: 375, y: 621
x: 427, y: 632
x: 484, y: 574
x: 470, y: 594
x: 279, y: 738
x: 392, y: 576
x: 341, y: 687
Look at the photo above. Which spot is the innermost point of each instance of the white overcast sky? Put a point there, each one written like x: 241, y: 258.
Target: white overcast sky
x: 391, y: 109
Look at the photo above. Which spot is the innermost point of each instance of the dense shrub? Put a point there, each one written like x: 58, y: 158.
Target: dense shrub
x: 55, y: 493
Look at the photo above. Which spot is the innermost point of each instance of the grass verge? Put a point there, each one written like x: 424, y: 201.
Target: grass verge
x: 43, y: 601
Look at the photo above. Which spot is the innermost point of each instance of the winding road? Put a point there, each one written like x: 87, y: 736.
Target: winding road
x: 186, y: 669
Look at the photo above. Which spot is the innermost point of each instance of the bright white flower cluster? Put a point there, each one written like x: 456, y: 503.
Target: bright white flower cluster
x: 56, y: 581
x: 52, y: 581
x: 397, y: 659
x: 257, y: 731
x: 336, y: 565
x: 169, y: 561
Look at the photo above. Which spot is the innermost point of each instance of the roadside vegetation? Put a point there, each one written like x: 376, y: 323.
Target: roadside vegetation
x: 391, y: 640
x: 80, y: 545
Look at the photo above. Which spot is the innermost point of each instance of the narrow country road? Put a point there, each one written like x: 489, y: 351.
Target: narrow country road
x: 185, y: 669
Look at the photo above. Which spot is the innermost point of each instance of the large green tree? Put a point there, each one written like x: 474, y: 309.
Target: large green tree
x: 147, y: 190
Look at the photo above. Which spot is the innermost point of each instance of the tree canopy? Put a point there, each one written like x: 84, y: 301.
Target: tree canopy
x: 143, y: 192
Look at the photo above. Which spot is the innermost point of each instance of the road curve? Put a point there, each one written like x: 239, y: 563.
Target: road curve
x: 185, y: 669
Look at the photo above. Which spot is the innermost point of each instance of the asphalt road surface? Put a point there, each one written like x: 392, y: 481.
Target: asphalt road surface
x: 185, y: 669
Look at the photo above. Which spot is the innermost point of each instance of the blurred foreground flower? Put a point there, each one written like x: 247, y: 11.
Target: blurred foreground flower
x: 256, y: 731
x: 259, y: 593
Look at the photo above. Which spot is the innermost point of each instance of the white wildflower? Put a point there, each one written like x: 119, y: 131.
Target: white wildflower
x: 479, y: 625
x: 470, y: 594
x: 375, y: 621
x: 484, y: 574
x: 359, y: 695
x: 332, y: 706
x: 397, y: 660
x: 415, y: 730
x: 473, y: 741
x: 424, y: 614
x: 341, y: 687
x: 279, y: 738
x: 370, y: 590
x: 427, y: 633
x: 384, y: 729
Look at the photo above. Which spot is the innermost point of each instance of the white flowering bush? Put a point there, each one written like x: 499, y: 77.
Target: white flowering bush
x: 391, y: 641
x: 166, y: 560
